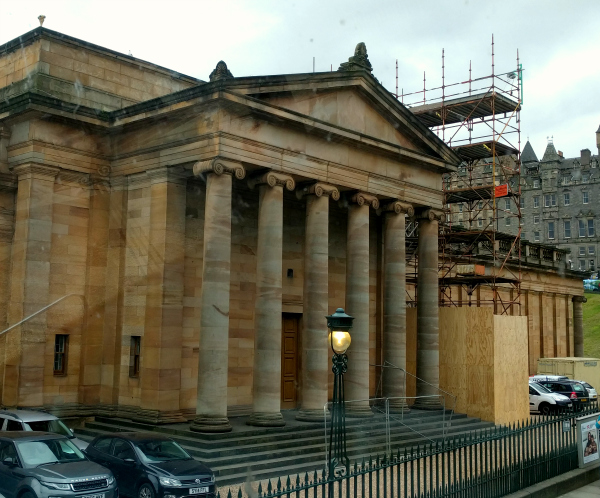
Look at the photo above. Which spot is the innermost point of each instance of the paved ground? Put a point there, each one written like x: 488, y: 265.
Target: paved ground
x: 589, y: 491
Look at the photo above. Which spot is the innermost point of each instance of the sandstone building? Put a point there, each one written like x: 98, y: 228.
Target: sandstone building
x: 198, y: 232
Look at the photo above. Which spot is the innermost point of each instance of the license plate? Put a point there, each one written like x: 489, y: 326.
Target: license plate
x: 199, y: 491
x: 100, y: 495
x: 583, y: 399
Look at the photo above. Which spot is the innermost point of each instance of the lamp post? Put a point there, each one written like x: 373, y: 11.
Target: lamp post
x: 339, y: 325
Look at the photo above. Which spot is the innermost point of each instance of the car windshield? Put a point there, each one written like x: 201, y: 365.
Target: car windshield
x: 161, y: 451
x: 48, y: 451
x: 539, y: 388
x: 55, y: 426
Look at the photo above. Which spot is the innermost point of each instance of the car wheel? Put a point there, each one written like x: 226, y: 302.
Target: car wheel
x: 145, y: 491
x: 545, y: 409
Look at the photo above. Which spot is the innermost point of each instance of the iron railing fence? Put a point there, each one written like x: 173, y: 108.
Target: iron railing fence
x: 487, y: 463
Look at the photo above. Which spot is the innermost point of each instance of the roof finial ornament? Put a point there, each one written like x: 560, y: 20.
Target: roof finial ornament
x: 359, y: 61
x: 220, y: 72
x: 41, y: 19
x: 550, y: 139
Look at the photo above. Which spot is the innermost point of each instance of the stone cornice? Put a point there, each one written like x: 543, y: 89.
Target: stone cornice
x: 362, y: 198
x: 220, y: 166
x: 66, y: 176
x: 399, y: 208
x: 431, y: 214
x: 165, y: 174
x: 33, y: 170
x: 273, y: 179
x: 319, y: 189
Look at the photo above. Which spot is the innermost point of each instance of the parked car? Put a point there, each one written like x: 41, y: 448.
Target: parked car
x: 572, y: 389
x: 545, y: 401
x: 590, y: 389
x: 149, y: 465
x: 30, y: 420
x: 537, y: 378
x: 43, y: 465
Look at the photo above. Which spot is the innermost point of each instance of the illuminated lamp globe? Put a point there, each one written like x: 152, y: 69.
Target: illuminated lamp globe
x: 339, y: 325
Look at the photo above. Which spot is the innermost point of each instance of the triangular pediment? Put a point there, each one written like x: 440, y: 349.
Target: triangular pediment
x: 347, y: 109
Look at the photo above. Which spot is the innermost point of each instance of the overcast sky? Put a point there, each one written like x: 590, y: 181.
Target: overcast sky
x: 558, y: 42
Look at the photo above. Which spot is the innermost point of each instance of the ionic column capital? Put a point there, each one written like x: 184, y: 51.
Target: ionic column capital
x: 398, y: 208
x: 579, y: 299
x: 431, y: 214
x: 273, y: 179
x: 320, y: 189
x: 163, y: 174
x: 220, y: 166
x: 362, y: 198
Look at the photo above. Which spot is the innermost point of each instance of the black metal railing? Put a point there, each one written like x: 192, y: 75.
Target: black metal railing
x: 490, y: 462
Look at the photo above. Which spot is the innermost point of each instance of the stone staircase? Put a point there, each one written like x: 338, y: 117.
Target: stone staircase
x: 259, y: 453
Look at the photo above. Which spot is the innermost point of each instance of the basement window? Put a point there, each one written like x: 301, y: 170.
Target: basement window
x: 61, y: 346
x: 134, y: 356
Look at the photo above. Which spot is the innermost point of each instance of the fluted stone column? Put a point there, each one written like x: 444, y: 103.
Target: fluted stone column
x: 266, y: 405
x: 315, y: 350
x: 357, y: 304
x: 394, y: 303
x: 428, y: 341
x: 578, y: 324
x: 211, y: 405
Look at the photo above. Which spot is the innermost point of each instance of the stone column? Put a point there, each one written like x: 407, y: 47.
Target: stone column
x: 29, y: 286
x: 315, y: 350
x: 357, y: 304
x: 211, y: 405
x: 160, y: 372
x: 266, y: 404
x: 578, y: 324
x: 394, y: 303
x: 428, y: 341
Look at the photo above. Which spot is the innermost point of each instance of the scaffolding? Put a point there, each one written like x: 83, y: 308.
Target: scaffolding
x: 480, y: 246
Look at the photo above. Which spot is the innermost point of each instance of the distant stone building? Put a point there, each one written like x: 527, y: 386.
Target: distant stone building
x: 559, y: 202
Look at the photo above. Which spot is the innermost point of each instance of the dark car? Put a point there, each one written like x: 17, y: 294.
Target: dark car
x: 149, y: 465
x: 574, y: 390
x: 43, y: 465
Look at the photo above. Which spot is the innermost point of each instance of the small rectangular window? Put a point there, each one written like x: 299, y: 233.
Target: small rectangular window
x: 507, y: 204
x: 586, y: 197
x: 536, y: 201
x: 582, y: 264
x: 536, y: 219
x: 553, y: 200
x: 61, y: 346
x: 522, y: 202
x: 581, y: 228
x: 547, y: 200
x: 550, y: 229
x: 581, y: 250
x: 507, y: 221
x: 592, y: 264
x: 567, y: 199
x: 536, y: 236
x: 460, y: 208
x: 590, y: 228
x: 591, y: 249
x: 585, y: 179
x: 567, y: 229
x: 536, y: 183
x: 134, y: 356
x: 479, y: 222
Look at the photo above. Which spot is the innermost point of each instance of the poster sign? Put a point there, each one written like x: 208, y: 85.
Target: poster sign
x: 501, y: 190
x: 587, y: 440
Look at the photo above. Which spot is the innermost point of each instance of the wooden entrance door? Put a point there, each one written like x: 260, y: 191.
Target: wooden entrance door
x: 289, y: 361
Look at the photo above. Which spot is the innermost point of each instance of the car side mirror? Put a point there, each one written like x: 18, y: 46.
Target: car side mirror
x: 9, y: 462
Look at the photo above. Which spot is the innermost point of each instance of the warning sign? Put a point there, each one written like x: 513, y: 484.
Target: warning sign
x: 501, y: 190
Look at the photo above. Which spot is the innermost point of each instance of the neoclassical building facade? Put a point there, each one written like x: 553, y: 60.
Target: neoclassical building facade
x: 191, y: 236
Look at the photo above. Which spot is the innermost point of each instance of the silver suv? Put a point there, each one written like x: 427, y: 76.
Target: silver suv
x: 30, y: 420
x: 43, y: 465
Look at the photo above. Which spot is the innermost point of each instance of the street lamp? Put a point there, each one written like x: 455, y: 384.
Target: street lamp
x: 339, y: 325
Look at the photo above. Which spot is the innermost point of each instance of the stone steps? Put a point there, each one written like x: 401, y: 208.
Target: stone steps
x: 296, y: 448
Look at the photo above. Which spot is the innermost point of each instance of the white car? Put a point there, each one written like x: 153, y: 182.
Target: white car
x: 545, y: 401
x: 592, y: 392
x: 30, y: 420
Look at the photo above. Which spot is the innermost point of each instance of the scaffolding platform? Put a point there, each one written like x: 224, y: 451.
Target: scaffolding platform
x: 472, y: 194
x: 483, y: 150
x: 450, y: 111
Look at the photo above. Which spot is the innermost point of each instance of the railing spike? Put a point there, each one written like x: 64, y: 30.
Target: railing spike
x: 306, y: 478
x: 240, y: 493
x: 260, y: 490
x: 288, y: 483
x: 279, y: 484
x: 269, y: 487
x: 229, y: 493
x: 297, y: 481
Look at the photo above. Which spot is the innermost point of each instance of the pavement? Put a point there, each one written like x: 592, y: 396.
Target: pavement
x: 589, y: 491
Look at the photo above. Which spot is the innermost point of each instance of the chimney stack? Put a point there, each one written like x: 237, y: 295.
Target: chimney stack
x: 560, y: 154
x: 586, y: 155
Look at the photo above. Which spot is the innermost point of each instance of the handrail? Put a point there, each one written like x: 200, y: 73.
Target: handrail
x: 37, y: 313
